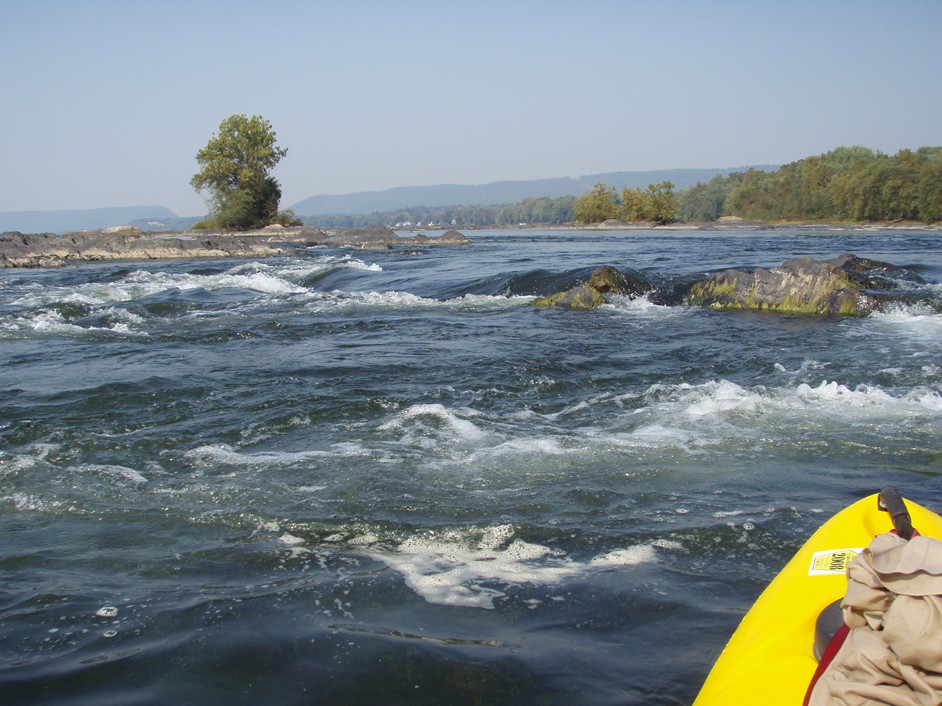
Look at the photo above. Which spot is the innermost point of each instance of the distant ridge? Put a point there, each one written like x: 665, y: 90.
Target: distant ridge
x: 83, y: 219
x: 157, y: 218
x: 500, y: 192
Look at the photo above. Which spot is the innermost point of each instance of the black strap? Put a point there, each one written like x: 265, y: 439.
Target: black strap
x: 892, y: 502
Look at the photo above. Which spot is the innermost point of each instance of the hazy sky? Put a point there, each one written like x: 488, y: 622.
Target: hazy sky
x: 106, y: 102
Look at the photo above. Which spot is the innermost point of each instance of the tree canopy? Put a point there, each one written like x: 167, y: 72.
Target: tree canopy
x: 236, y: 165
x: 655, y: 204
x: 600, y: 204
x: 846, y: 184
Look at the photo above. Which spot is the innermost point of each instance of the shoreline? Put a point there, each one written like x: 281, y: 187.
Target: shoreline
x: 46, y: 250
x: 741, y: 224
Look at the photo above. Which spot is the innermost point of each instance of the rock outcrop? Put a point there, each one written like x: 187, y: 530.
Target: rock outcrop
x: 47, y: 249
x: 844, y: 285
x: 127, y: 243
x: 604, y: 282
x: 380, y: 238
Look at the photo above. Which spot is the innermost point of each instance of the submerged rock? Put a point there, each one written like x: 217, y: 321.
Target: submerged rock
x: 801, y: 285
x: 453, y: 237
x: 606, y: 280
x: 380, y: 237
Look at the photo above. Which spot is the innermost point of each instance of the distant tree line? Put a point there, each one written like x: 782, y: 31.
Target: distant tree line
x: 847, y: 184
x: 543, y: 210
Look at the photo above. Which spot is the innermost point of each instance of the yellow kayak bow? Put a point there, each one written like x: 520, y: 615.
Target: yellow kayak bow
x: 770, y: 658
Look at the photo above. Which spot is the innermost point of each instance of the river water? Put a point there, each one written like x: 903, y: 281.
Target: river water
x: 349, y: 477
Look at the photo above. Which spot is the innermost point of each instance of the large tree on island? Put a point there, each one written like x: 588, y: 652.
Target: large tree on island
x: 236, y: 165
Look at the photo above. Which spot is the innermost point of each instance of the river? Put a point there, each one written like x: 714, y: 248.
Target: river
x: 345, y: 477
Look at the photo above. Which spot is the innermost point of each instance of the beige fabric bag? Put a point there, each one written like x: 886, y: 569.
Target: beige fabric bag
x: 893, y: 606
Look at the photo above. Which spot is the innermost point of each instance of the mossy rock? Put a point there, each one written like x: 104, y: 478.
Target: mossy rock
x: 800, y: 285
x: 582, y: 297
x: 604, y: 281
x: 608, y: 280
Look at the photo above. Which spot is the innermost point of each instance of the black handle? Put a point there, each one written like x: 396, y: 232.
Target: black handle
x: 892, y: 502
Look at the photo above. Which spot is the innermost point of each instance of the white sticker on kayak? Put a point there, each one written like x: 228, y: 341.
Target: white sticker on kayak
x: 832, y: 561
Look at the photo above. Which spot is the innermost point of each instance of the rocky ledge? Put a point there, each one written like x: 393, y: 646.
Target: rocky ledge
x: 846, y: 285
x: 843, y: 286
x: 604, y: 282
x: 50, y: 250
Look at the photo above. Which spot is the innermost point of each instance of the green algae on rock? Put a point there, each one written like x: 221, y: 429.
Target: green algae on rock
x: 606, y: 280
x: 801, y: 285
x: 581, y: 297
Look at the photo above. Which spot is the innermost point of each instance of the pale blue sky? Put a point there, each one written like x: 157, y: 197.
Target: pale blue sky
x: 106, y: 102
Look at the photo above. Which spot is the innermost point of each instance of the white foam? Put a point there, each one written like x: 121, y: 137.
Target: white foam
x: 496, y: 536
x: 34, y: 503
x: 719, y: 400
x: 632, y: 556
x: 257, y: 277
x: 259, y: 282
x: 283, y: 279
x: 338, y: 300
x: 13, y: 464
x: 695, y: 418
x: 805, y: 367
x: 578, y: 407
x: 866, y: 399
x: 642, y: 308
x: 366, y: 539
x: 142, y: 284
x: 47, y: 322
x: 543, y: 446
x: 223, y: 454
x: 911, y: 316
x: 52, y: 322
x: 462, y: 428
x: 654, y: 436
x: 360, y: 265
x: 474, y: 568
x: 722, y: 396
x: 291, y: 540
x: 122, y: 474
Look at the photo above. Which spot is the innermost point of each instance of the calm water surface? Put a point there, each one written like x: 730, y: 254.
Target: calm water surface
x: 356, y: 478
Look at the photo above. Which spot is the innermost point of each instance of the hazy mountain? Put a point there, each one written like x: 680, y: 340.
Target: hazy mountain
x: 84, y: 219
x: 438, y: 195
x: 499, y: 192
x: 157, y: 218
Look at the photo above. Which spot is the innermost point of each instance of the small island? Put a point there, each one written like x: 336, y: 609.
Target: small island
x: 127, y: 243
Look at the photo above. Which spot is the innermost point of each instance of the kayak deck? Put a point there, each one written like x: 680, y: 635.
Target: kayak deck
x: 770, y: 656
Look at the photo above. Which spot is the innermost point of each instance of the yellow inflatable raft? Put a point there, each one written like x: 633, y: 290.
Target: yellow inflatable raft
x: 770, y: 658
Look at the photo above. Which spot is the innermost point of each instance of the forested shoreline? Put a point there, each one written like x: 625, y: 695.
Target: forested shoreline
x: 853, y: 184
x: 541, y: 210
x: 848, y: 184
